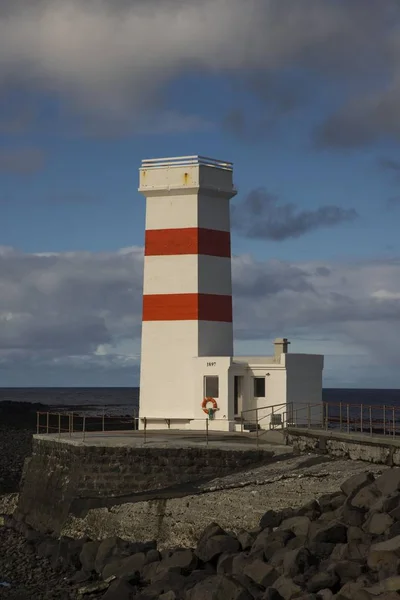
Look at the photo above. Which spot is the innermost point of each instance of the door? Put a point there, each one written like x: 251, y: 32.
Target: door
x: 238, y: 394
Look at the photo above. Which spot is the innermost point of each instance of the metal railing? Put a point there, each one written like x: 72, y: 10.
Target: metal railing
x: 185, y: 161
x: 337, y: 416
x: 79, y: 426
x: 75, y: 423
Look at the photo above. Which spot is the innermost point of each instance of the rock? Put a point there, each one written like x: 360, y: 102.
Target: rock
x: 255, y: 590
x: 184, y: 559
x: 325, y: 595
x: 168, y: 596
x: 218, y: 587
x: 48, y: 548
x: 81, y: 576
x: 296, y: 542
x: 321, y: 550
x: 88, y: 555
x: 260, y: 572
x: 210, y: 548
x: 287, y: 588
x: 119, y: 590
x: 272, y: 594
x: 296, y: 561
x: 272, y: 519
x: 211, y: 530
x: 355, y: 483
x: 388, y: 482
x: 322, y: 580
x: 352, y: 516
x: 128, y: 567
x: 330, y: 502
x: 392, y: 545
x: 240, y: 561
x: 97, y: 586
x: 391, y: 584
x: 152, y: 556
x: 386, y: 504
x: 355, y: 534
x: 312, y: 510
x: 377, y: 523
x: 245, y: 539
x: 167, y: 581
x: 365, y: 498
x: 348, y: 570
x: 225, y: 564
x: 297, y: 525
x: 333, y: 533
x: 108, y: 548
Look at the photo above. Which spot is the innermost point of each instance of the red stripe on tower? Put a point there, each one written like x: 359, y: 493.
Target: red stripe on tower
x: 187, y: 307
x: 189, y: 240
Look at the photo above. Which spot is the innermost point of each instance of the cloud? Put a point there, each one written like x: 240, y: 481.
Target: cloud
x: 21, y: 161
x: 65, y: 314
x: 113, y: 60
x: 259, y: 215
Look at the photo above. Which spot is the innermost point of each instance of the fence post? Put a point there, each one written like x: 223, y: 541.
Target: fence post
x: 361, y: 418
x: 326, y: 415
x: 308, y: 415
x: 102, y: 421
x: 257, y: 425
x: 370, y: 420
x: 394, y: 423
x: 241, y: 422
x: 384, y: 419
x: 206, y: 432
x: 59, y: 425
x: 83, y: 427
x: 47, y: 422
x: 145, y: 429
x: 348, y: 418
x: 271, y: 423
x: 340, y: 417
x: 37, y: 422
x: 72, y: 423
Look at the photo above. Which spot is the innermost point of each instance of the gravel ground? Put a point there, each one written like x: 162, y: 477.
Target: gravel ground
x: 31, y: 577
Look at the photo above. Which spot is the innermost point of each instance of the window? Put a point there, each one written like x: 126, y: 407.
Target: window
x: 259, y: 387
x: 211, y: 386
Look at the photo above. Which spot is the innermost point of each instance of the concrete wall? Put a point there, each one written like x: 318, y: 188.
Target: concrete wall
x: 60, y: 477
x: 304, y: 386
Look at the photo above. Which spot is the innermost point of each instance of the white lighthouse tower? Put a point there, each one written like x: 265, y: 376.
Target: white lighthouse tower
x: 187, y: 293
x: 187, y: 362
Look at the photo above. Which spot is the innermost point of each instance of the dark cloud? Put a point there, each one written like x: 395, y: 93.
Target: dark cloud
x: 113, y: 60
x: 79, y: 313
x: 259, y: 215
x: 21, y: 161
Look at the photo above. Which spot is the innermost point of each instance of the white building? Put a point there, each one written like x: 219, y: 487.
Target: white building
x: 187, y: 363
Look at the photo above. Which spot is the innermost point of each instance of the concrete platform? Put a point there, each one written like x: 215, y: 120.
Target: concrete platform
x: 170, y: 439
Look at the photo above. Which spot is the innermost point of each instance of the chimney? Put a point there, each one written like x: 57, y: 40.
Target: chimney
x: 281, y: 347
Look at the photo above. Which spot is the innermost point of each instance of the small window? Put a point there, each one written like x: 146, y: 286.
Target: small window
x: 259, y: 387
x: 211, y: 386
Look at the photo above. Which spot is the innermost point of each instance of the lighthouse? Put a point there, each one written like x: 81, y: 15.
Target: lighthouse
x: 187, y: 287
x: 189, y: 378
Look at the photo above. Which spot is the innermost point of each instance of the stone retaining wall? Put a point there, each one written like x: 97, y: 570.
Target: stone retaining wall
x: 59, y: 475
x: 373, y: 449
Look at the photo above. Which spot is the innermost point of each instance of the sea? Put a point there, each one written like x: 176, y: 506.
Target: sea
x: 125, y: 400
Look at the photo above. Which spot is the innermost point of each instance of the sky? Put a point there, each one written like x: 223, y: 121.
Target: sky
x: 303, y: 97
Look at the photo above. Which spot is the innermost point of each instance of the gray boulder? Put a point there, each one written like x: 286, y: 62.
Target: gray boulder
x: 210, y: 548
x: 260, y: 572
x: 218, y: 587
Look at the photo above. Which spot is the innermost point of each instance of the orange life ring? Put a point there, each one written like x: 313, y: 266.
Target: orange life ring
x: 206, y: 401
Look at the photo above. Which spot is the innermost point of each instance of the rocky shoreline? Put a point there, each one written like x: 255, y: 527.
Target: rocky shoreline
x: 345, y: 545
